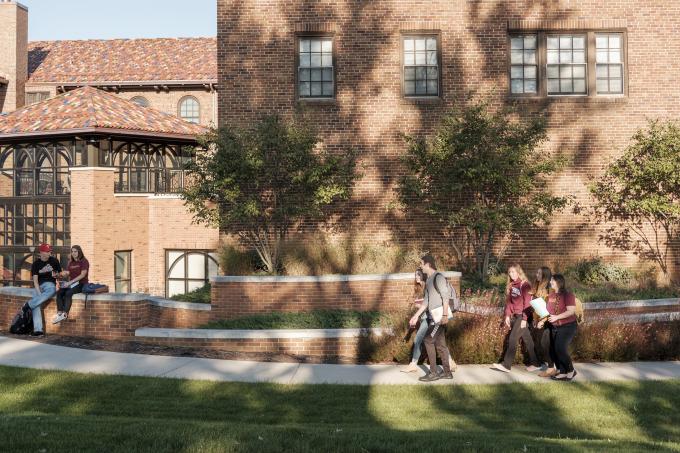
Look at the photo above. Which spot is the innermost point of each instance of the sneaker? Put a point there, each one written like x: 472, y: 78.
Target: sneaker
x: 37, y: 334
x: 429, y: 377
x: 411, y: 368
x: 532, y: 368
x: 550, y: 372
x: 500, y: 367
x: 59, y: 318
x: 446, y: 375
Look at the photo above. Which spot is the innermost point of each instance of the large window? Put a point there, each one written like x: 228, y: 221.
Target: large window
x: 315, y: 67
x: 188, y: 270
x: 190, y: 109
x: 581, y: 64
x: 122, y: 271
x: 145, y: 168
x: 36, y: 169
x: 421, y: 66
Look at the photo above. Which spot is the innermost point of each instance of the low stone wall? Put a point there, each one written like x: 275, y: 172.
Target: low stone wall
x: 234, y: 297
x: 107, y: 316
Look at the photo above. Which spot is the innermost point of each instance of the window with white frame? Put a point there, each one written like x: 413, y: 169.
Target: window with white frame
x: 609, y: 58
x: 315, y: 67
x: 523, y: 64
x: 566, y: 64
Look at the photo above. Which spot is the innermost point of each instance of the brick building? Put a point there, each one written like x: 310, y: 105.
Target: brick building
x: 93, y: 137
x: 367, y: 71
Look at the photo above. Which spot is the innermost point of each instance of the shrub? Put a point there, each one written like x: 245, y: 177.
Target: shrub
x: 593, y: 271
x: 235, y: 261
x: 200, y: 295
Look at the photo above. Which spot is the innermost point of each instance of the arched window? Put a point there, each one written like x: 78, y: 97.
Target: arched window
x: 188, y: 270
x: 190, y: 109
x: 140, y: 101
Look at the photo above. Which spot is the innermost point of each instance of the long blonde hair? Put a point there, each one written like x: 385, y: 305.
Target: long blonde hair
x: 522, y: 277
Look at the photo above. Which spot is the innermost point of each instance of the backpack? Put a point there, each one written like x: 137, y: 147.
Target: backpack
x: 95, y: 288
x: 22, y: 323
x: 454, y: 300
x: 580, y: 315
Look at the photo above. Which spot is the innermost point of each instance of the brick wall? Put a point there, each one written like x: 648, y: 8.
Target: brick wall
x: 106, y: 316
x: 103, y: 223
x: 256, y: 66
x: 233, y: 297
x: 13, y: 54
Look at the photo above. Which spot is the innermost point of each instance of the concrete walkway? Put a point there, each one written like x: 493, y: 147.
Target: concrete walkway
x: 31, y: 354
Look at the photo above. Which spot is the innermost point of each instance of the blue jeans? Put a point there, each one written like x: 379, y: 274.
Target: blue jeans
x: 418, y: 342
x: 47, y: 291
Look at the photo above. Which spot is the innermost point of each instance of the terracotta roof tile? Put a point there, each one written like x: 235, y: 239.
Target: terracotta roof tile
x: 135, y: 60
x: 90, y: 108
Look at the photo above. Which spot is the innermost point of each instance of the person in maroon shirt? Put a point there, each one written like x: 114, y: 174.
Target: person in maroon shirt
x: 562, y: 308
x: 517, y: 309
x: 77, y: 270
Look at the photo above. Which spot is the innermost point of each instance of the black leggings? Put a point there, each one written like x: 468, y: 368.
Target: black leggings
x: 515, y: 334
x: 562, y: 336
x: 547, y: 349
x: 65, y: 296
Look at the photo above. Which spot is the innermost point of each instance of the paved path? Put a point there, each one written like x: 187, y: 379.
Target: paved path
x: 31, y: 354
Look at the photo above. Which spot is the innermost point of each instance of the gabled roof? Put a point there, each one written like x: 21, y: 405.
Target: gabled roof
x: 88, y: 109
x: 118, y: 60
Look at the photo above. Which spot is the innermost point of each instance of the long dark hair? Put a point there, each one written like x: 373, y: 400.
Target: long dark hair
x: 544, y: 283
x: 561, y: 283
x: 80, y: 253
x: 418, y: 287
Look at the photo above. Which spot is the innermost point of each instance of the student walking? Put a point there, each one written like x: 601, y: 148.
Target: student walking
x: 421, y: 326
x: 562, y: 308
x: 77, y: 270
x: 44, y: 270
x: 541, y: 289
x: 435, y: 300
x: 517, y: 309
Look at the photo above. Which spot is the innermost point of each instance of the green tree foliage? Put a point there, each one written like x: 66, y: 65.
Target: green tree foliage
x: 259, y: 183
x: 483, y: 176
x: 639, y: 194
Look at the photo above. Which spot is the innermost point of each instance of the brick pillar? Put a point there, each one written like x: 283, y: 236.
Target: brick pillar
x: 13, y: 55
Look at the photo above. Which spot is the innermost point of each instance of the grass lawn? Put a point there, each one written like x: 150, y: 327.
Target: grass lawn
x: 66, y: 412
x: 316, y: 319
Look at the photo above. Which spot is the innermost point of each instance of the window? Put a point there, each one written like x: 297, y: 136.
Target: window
x: 609, y: 60
x: 37, y: 96
x: 421, y: 66
x: 586, y: 63
x: 566, y: 64
x: 122, y: 271
x: 147, y: 168
x: 523, y: 64
x: 140, y: 101
x: 190, y: 109
x: 188, y: 270
x: 315, y: 67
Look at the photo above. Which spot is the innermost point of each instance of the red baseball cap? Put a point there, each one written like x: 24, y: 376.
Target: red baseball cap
x: 45, y: 248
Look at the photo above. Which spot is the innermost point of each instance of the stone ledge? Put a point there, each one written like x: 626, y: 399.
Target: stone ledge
x: 630, y: 304
x: 226, y: 334
x: 320, y: 278
x: 167, y: 303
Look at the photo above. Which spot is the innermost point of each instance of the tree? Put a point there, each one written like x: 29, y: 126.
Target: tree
x: 260, y: 182
x: 640, y: 194
x: 482, y: 175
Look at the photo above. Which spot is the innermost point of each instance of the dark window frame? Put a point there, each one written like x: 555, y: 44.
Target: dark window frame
x: 622, y: 64
x: 184, y: 254
x: 319, y: 35
x: 119, y: 281
x: 591, y: 65
x: 415, y: 34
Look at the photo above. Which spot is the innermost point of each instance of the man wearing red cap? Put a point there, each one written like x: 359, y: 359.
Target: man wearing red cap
x: 44, y: 272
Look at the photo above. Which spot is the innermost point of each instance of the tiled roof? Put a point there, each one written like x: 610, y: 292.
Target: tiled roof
x: 134, y: 60
x: 88, y: 108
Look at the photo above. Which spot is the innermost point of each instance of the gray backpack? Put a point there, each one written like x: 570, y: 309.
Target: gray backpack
x: 454, y: 300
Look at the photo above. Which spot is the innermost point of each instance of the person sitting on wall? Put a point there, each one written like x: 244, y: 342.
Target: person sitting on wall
x: 44, y: 271
x: 78, y: 268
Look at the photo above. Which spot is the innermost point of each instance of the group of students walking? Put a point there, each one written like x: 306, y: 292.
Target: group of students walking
x: 556, y: 331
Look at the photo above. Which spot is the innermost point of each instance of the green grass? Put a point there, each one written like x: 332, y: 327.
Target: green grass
x: 67, y: 412
x: 317, y: 319
x: 200, y: 295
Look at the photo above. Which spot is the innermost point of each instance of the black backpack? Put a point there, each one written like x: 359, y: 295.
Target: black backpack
x: 22, y: 324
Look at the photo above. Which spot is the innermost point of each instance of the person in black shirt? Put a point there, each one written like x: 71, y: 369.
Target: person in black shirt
x: 44, y: 272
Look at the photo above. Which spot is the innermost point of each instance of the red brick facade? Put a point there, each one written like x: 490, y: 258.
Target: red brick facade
x: 239, y: 297
x: 257, y: 74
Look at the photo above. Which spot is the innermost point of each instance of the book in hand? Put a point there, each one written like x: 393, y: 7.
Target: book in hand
x: 540, y: 308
